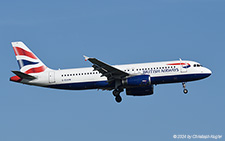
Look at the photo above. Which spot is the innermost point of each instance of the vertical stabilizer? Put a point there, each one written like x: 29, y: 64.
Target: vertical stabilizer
x: 27, y: 60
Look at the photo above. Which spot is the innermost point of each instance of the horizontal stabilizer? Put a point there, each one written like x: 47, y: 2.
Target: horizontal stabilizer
x: 24, y: 75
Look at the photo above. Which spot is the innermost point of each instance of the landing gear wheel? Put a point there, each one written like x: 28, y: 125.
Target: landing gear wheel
x: 118, y: 98
x: 116, y: 93
x: 185, y: 91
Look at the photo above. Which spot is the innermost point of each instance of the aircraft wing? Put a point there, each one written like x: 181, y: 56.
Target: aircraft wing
x: 107, y: 70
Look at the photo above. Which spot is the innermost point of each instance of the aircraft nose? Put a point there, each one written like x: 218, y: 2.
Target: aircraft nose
x: 207, y: 71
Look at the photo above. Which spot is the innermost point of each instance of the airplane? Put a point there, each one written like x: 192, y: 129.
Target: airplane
x: 136, y: 79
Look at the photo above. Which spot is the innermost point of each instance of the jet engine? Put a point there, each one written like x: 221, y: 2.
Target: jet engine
x: 140, y: 91
x: 138, y: 80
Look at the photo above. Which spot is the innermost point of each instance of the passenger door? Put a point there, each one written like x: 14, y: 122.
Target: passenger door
x: 51, y: 77
x: 183, y: 66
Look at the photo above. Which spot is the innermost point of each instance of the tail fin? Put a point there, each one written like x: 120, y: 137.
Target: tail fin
x: 27, y: 60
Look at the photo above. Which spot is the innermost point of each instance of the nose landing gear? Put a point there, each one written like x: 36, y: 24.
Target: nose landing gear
x: 184, y: 86
x: 185, y: 91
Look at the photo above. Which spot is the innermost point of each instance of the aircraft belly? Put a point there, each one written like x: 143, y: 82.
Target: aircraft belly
x: 82, y: 85
x: 177, y: 78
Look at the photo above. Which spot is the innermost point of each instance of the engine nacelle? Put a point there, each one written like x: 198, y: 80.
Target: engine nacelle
x: 140, y: 91
x: 139, y: 80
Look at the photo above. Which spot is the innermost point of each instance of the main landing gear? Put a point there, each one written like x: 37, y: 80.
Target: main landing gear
x: 118, y: 89
x: 184, y: 86
x: 116, y: 93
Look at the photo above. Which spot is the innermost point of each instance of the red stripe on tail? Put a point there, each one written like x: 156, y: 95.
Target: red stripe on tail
x: 36, y: 70
x: 20, y: 51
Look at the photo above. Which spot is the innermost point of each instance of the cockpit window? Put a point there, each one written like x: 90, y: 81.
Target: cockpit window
x: 197, y: 65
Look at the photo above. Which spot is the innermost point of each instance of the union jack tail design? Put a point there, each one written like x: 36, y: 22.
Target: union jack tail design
x: 27, y: 60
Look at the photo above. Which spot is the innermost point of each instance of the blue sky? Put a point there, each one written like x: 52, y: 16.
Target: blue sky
x: 117, y: 32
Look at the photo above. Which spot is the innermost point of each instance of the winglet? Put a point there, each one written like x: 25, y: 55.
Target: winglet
x: 86, y: 58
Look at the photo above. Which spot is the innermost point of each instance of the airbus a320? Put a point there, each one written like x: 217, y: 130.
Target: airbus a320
x: 136, y: 79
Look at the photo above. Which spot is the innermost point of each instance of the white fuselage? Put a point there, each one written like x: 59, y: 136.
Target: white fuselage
x: 136, y: 79
x: 86, y: 78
